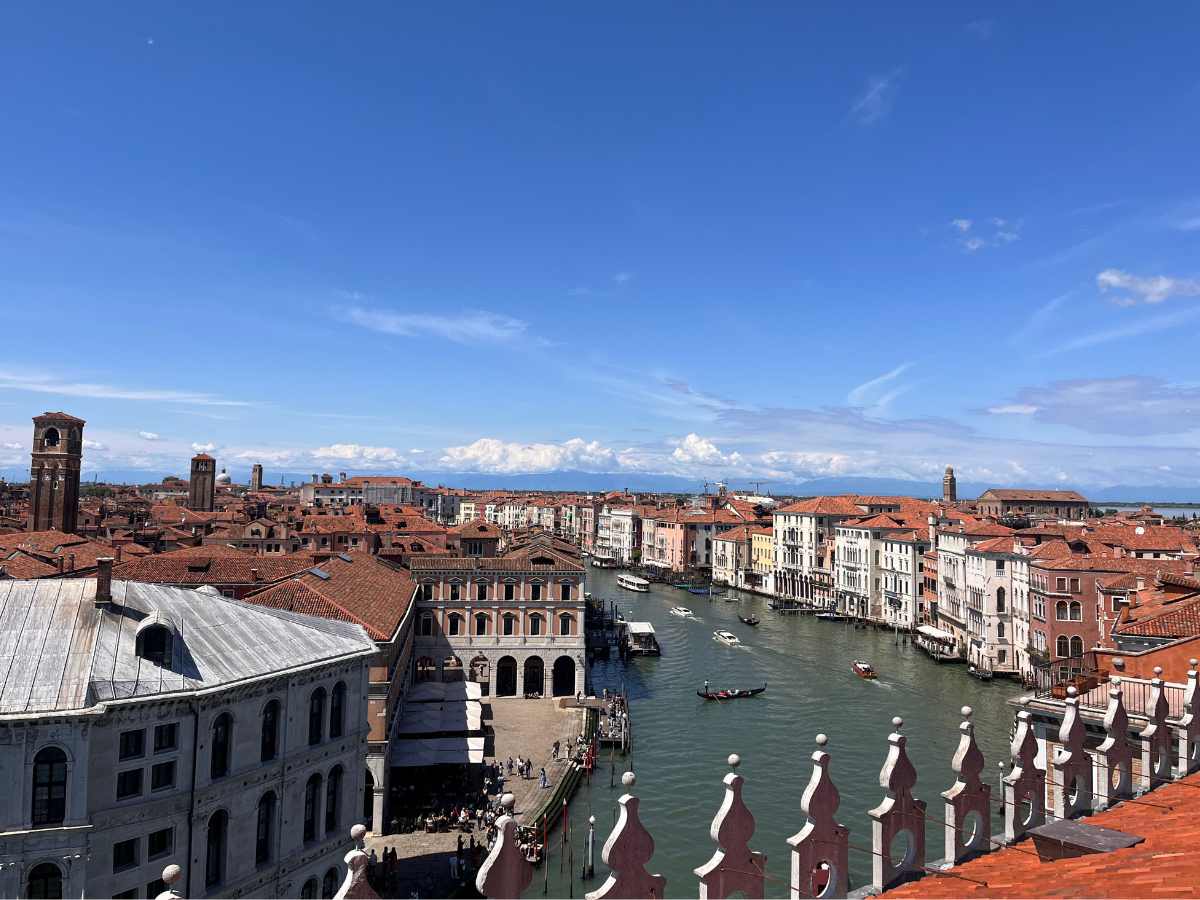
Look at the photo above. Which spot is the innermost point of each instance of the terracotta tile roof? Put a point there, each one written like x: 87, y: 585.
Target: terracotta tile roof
x: 1094, y: 563
x: 993, y: 545
x: 201, y: 565
x: 51, y: 546
x: 21, y: 565
x: 824, y: 506
x: 60, y: 415
x: 1016, y: 494
x: 479, y: 528
x: 352, y: 587
x: 1181, y: 619
x: 1164, y: 864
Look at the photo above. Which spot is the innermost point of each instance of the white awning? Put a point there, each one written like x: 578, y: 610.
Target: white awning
x: 936, y: 633
x: 436, y: 751
x: 640, y: 628
x: 431, y: 718
x: 441, y: 692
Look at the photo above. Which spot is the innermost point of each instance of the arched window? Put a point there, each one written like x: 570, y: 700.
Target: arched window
x: 535, y: 624
x: 214, y: 858
x: 1060, y: 611
x: 564, y: 623
x: 337, y: 710
x: 510, y: 624
x: 309, y: 891
x: 1076, y: 611
x: 329, y: 884
x: 456, y: 624
x: 333, y: 799
x: 481, y: 623
x: 426, y: 625
x: 49, y: 787
x: 1000, y: 629
x: 221, y: 734
x: 312, y: 800
x: 44, y: 882
x: 270, y: 732
x: 1063, y: 646
x: 1000, y: 600
x: 1076, y: 646
x: 316, y: 716
x: 51, y: 437
x: 266, y: 829
x: 154, y: 644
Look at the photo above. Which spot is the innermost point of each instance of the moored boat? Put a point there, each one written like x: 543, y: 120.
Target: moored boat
x: 749, y: 620
x: 981, y: 674
x: 728, y: 638
x: 632, y: 583
x: 863, y: 669
x: 730, y: 693
x: 830, y: 617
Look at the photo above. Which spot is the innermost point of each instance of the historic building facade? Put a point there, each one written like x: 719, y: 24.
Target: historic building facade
x: 513, y: 623
x: 54, y: 472
x: 142, y: 734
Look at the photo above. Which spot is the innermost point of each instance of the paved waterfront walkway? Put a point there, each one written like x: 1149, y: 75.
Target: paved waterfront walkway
x: 525, y: 728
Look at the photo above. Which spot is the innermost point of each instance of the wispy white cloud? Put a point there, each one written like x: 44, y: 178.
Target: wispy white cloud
x: 962, y: 224
x: 994, y: 232
x: 203, y: 448
x: 1192, y: 224
x: 865, y: 393
x: 149, y: 436
x: 623, y: 277
x: 508, y: 457
x: 877, y: 99
x: 463, y: 328
x: 1013, y: 409
x: 1131, y: 405
x: 45, y: 384
x: 1038, y: 319
x: 93, y: 445
x: 1135, y: 328
x: 1145, y: 289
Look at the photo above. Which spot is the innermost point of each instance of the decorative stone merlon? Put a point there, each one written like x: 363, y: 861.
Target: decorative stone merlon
x: 1187, y: 729
x: 1025, y: 785
x: 1072, y: 764
x: 1114, y: 756
x: 898, y: 826
x: 356, y: 863
x: 820, y: 850
x: 733, y: 866
x: 506, y: 872
x: 968, y: 800
x: 627, y: 850
x: 1156, y: 737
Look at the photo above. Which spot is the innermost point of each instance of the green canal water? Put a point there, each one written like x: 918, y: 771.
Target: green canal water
x: 681, y: 742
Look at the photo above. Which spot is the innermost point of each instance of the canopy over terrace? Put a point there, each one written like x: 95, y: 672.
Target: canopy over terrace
x: 440, y: 718
x: 442, y: 692
x: 437, y: 751
x: 936, y: 634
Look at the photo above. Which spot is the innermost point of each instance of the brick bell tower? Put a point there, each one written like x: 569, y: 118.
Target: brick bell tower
x: 949, y: 486
x: 54, y: 472
x: 202, y: 484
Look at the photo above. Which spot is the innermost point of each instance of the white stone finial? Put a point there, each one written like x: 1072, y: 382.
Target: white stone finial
x: 966, y: 712
x: 822, y: 740
x: 357, y: 833
x: 733, y: 867
x: 591, y: 820
x: 508, y: 801
x: 505, y: 873
x: 1158, y: 671
x: 629, y: 779
x: 1071, y: 691
x: 1193, y: 662
x: 734, y: 760
x: 897, y: 722
x: 171, y: 874
x: 1116, y: 680
x: 627, y: 851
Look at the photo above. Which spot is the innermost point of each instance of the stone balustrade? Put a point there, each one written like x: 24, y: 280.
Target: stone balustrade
x: 819, y: 851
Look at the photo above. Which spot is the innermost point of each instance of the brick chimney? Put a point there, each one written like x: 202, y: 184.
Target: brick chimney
x: 104, y: 567
x: 254, y: 574
x: 70, y: 562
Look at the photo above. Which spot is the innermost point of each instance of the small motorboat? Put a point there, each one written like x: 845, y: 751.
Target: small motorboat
x: 830, y: 617
x: 728, y: 638
x: 731, y: 694
x: 863, y: 669
x: 981, y: 674
x: 681, y: 611
x: 749, y: 620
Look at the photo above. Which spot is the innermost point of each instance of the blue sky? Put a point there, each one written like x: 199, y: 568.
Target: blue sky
x: 720, y: 240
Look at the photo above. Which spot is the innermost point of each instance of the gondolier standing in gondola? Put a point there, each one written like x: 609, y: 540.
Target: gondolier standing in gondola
x: 706, y: 685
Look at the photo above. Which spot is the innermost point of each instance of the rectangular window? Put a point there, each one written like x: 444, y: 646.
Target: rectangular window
x: 125, y: 855
x: 454, y: 593
x: 160, y: 843
x: 1060, y: 585
x: 1074, y: 585
x: 162, y: 776
x: 510, y: 591
x: 133, y: 744
x: 166, y: 737
x: 481, y: 592
x: 999, y: 565
x: 535, y: 592
x: 565, y: 594
x: 427, y: 592
x: 129, y: 783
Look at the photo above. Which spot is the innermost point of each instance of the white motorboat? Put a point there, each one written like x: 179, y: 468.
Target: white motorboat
x: 728, y: 638
x: 682, y: 612
x: 632, y: 583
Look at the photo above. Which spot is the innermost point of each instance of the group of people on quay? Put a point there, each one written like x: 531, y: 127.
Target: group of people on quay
x: 614, y: 718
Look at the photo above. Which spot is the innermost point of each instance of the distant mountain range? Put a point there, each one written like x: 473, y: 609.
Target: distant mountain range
x: 594, y: 482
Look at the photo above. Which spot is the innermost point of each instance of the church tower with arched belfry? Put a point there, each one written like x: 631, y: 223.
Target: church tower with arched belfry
x: 203, y: 483
x: 949, y: 486
x: 54, y: 472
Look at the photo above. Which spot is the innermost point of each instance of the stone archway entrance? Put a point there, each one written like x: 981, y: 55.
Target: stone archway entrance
x: 563, y: 679
x: 426, y: 669
x: 506, y: 677
x: 452, y: 669
x: 535, y: 676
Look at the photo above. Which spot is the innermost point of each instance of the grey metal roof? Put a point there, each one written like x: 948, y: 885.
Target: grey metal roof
x: 59, y: 652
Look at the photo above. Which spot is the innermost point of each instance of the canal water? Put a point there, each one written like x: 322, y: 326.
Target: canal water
x: 681, y: 742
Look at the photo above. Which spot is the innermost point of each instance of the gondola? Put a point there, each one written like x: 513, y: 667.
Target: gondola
x: 735, y: 694
x: 749, y: 620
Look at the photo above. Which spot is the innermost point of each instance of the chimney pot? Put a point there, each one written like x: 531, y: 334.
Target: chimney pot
x: 104, y: 568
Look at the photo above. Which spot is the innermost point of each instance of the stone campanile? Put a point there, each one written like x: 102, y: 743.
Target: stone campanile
x: 54, y: 471
x: 256, y: 477
x: 949, y: 486
x: 202, y: 484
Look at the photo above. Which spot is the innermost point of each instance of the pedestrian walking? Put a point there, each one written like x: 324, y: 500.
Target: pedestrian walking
x: 544, y: 780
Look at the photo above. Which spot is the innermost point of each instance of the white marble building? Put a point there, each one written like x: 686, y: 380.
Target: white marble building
x: 142, y: 726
